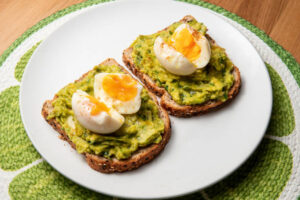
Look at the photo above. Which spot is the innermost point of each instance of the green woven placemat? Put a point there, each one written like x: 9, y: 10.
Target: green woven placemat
x: 265, y: 175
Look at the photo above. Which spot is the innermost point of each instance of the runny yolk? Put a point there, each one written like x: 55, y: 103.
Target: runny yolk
x: 123, y: 88
x: 184, y: 42
x: 97, y: 106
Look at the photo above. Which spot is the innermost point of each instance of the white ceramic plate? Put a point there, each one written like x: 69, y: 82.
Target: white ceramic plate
x: 201, y: 151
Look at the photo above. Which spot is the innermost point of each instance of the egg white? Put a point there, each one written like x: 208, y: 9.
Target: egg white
x: 123, y: 107
x: 174, y: 61
x: 104, y: 122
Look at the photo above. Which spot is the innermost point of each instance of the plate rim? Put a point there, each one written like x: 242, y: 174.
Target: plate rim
x: 103, y: 4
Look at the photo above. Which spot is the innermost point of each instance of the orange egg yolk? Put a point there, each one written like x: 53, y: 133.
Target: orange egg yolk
x: 184, y: 42
x: 123, y: 88
x: 97, y: 106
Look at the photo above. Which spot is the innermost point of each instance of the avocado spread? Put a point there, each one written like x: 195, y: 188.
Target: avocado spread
x: 139, y: 130
x: 212, y: 82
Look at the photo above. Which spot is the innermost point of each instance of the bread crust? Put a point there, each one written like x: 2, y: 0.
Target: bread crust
x: 104, y: 165
x: 167, y: 102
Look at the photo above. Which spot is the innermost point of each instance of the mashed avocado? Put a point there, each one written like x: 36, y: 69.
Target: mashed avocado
x: 209, y: 83
x: 139, y: 130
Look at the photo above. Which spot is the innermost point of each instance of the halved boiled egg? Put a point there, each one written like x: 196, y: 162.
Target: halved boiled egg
x: 186, y: 51
x: 95, y: 115
x: 119, y: 91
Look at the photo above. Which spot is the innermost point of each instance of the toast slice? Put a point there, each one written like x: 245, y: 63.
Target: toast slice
x: 102, y: 164
x: 166, y: 100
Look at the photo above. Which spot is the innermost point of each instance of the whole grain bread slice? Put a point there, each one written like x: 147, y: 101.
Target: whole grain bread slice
x: 102, y: 164
x: 166, y: 100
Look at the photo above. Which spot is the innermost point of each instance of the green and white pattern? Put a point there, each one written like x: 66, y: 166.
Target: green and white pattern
x: 271, y: 172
